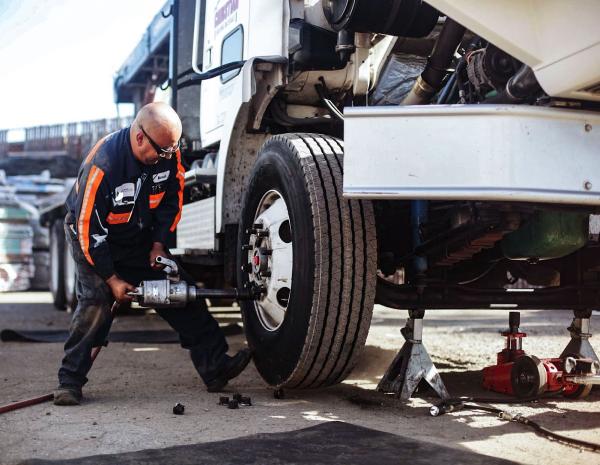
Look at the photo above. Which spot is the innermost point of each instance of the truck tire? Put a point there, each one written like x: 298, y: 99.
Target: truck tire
x: 57, y: 265
x: 316, y: 259
x: 69, y: 280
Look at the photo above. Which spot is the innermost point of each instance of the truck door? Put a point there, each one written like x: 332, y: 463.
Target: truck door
x: 225, y: 34
x: 236, y: 30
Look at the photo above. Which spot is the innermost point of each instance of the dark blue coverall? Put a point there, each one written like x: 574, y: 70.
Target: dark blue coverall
x: 115, y: 211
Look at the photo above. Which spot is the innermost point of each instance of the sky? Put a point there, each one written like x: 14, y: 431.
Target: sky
x: 58, y: 58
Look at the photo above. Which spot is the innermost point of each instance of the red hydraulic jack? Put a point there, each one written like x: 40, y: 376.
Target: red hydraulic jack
x: 527, y: 376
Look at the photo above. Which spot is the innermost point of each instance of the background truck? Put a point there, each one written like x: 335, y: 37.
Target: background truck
x: 342, y: 153
x: 36, y: 164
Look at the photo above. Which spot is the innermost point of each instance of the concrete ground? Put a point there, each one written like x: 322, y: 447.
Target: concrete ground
x: 132, y: 389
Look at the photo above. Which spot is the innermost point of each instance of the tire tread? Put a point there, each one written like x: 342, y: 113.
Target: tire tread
x: 345, y: 266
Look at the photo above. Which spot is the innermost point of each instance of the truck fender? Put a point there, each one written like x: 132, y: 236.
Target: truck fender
x: 239, y: 144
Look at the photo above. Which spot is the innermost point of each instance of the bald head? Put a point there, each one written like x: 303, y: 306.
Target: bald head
x: 161, y: 125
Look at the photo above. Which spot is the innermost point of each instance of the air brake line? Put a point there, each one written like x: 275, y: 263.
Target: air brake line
x: 455, y: 405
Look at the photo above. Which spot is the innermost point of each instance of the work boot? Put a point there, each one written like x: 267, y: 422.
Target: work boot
x: 67, y: 395
x: 234, y: 366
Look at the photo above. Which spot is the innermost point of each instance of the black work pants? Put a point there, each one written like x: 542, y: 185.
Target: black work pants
x: 198, y: 330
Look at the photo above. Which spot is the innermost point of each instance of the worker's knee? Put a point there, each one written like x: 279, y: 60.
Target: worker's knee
x: 91, y: 314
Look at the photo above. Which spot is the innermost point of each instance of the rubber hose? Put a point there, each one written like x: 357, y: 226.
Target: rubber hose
x: 49, y: 397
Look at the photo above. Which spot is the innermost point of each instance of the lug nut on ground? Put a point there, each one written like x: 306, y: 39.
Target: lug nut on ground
x: 178, y: 409
x: 233, y: 404
x: 236, y: 401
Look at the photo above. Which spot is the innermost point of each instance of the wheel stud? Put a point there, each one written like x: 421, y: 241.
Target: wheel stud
x: 247, y: 267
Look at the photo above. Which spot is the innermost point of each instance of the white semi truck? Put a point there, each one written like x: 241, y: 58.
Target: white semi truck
x: 342, y: 153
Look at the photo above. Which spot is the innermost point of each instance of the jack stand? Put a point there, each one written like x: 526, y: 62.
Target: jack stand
x: 412, y: 364
x: 579, y: 345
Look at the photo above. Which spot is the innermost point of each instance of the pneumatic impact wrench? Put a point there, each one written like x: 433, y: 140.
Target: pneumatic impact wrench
x: 173, y: 292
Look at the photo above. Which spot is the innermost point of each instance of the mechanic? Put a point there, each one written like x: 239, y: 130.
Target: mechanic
x: 120, y: 213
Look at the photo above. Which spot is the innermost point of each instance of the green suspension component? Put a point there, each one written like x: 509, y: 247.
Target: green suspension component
x: 547, y: 235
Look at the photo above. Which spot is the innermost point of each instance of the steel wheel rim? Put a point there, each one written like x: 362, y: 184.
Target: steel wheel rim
x: 270, y: 259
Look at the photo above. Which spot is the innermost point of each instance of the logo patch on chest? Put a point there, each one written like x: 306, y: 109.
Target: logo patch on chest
x: 160, y: 177
x: 124, y: 194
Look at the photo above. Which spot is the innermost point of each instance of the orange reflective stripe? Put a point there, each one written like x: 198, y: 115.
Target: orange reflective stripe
x: 118, y: 218
x: 90, y: 155
x: 87, y: 207
x: 181, y: 178
x: 155, y: 199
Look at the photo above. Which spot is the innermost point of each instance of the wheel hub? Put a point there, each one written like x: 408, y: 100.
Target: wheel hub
x: 270, y: 259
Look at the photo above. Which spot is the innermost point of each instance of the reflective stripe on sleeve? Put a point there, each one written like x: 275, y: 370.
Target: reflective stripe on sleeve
x: 90, y: 156
x: 87, y: 207
x: 180, y: 178
x: 118, y: 218
x: 155, y: 200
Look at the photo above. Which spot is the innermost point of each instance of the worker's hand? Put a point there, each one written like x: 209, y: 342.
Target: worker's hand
x: 158, y: 250
x: 120, y: 289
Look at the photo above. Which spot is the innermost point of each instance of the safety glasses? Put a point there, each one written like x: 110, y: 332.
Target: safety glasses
x: 163, y: 152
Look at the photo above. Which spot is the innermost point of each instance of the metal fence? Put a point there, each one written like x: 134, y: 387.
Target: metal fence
x: 72, y: 139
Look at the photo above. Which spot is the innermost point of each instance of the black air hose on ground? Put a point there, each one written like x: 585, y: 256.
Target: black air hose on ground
x: 49, y: 397
x: 455, y: 405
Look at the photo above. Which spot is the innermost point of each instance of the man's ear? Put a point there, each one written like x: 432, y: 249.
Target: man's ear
x: 139, y: 138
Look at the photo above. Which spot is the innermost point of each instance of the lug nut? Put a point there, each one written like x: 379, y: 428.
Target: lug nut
x: 246, y: 247
x: 233, y: 404
x: 178, y: 409
x: 247, y: 267
x: 262, y: 233
x: 251, y: 231
x: 223, y: 400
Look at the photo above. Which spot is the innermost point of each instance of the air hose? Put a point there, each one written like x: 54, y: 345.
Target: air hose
x: 455, y: 405
x: 48, y: 397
